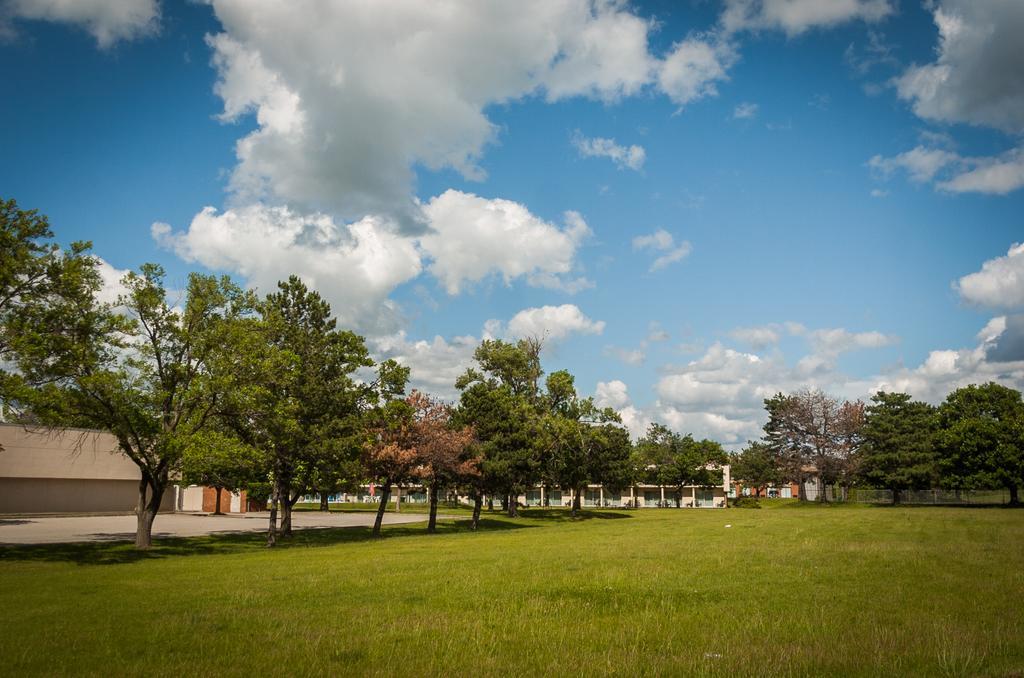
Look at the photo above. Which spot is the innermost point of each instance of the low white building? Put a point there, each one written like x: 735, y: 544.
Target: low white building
x: 67, y: 471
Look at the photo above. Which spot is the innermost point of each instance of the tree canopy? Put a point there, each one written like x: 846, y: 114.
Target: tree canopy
x: 898, y: 449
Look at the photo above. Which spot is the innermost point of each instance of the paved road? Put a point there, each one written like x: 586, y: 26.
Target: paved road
x: 118, y: 528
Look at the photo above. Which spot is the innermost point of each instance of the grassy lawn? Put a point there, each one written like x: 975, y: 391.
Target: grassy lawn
x: 784, y: 591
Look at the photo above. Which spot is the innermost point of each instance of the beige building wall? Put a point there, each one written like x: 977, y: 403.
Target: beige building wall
x: 67, y: 471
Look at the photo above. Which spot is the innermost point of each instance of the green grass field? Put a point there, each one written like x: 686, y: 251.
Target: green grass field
x: 786, y: 590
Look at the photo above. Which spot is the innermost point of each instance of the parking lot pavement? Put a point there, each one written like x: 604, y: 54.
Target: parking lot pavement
x: 58, y: 530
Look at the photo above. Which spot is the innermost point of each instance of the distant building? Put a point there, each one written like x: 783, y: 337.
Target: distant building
x: 595, y: 496
x: 82, y: 471
x: 783, y: 491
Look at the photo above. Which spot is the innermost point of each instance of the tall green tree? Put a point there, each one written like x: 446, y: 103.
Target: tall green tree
x: 756, y: 466
x: 898, y: 451
x: 37, y: 279
x: 294, y: 394
x: 223, y: 462
x: 140, y: 371
x: 582, y: 444
x: 501, y: 401
x: 678, y: 461
x: 979, y: 441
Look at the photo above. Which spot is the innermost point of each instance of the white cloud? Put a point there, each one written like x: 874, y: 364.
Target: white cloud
x: 615, y: 394
x: 996, y: 175
x: 977, y: 78
x: 757, y: 337
x: 945, y: 370
x: 350, y: 97
x: 796, y: 16
x: 602, y: 47
x: 655, y: 332
x: 954, y: 173
x: 354, y: 266
x: 999, y: 283
x: 992, y: 329
x: 921, y: 163
x: 745, y: 111
x: 110, y: 279
x: 631, y: 157
x: 693, y: 68
x: 833, y: 341
x: 108, y: 21
x: 662, y: 241
x: 720, y: 394
x: 552, y: 323
x: 978, y: 74
x: 630, y: 356
x: 472, y: 237
x: 436, y: 363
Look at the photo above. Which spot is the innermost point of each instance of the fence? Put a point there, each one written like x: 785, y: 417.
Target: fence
x: 945, y: 497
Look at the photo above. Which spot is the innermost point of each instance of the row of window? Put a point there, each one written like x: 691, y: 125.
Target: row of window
x: 653, y: 498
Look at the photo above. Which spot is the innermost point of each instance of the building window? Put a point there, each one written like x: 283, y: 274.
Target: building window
x: 705, y: 498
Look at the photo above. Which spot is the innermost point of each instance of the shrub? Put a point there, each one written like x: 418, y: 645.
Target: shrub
x: 745, y: 502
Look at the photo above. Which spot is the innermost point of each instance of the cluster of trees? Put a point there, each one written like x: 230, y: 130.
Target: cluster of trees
x: 550, y: 436
x: 222, y: 388
x: 973, y: 440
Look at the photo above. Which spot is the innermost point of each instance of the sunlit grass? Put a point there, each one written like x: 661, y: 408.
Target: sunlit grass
x: 793, y: 591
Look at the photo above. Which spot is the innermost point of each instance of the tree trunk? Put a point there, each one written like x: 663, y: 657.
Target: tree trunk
x: 895, y: 497
x: 323, y: 502
x: 432, y: 520
x: 1014, y: 496
x: 478, y: 503
x: 286, y: 512
x: 679, y: 498
x: 801, y: 490
x: 216, y: 502
x: 575, y: 502
x: 513, y: 506
x: 385, y: 496
x: 146, y: 513
x: 275, y: 500
x: 286, y: 518
x: 490, y: 502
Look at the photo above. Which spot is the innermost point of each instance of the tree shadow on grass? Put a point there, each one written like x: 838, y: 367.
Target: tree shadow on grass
x: 110, y: 552
x: 991, y: 505
x: 564, y: 515
x: 866, y: 505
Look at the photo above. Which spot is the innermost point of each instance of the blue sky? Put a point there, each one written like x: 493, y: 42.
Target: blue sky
x: 835, y: 187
